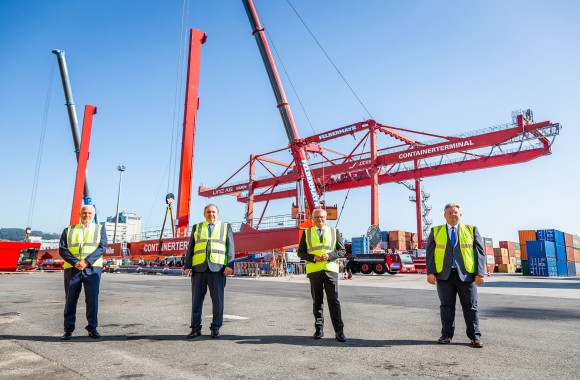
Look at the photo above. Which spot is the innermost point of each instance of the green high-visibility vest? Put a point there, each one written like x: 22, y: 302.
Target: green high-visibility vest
x: 318, y: 248
x: 466, y: 238
x: 90, y: 242
x: 217, y: 243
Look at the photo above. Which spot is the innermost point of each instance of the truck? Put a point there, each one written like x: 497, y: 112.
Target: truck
x: 377, y: 262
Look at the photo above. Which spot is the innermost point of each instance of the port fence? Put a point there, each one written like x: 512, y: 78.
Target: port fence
x: 265, y: 269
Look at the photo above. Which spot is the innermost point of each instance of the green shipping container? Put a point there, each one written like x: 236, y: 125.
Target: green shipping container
x: 525, y: 268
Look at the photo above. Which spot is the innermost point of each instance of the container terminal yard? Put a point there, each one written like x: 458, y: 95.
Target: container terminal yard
x: 529, y: 304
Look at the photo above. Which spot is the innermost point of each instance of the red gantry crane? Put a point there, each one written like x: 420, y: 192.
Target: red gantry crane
x: 367, y: 164
x: 408, y: 158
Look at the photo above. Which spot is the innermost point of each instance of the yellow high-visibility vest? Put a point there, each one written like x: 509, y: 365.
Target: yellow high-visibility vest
x: 318, y: 248
x: 92, y: 239
x: 217, y: 243
x: 466, y: 238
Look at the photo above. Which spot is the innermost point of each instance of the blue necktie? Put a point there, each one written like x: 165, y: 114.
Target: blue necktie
x: 209, y: 229
x: 453, y: 240
x: 453, y: 236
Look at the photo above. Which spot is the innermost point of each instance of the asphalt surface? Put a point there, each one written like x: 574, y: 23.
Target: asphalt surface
x: 530, y: 327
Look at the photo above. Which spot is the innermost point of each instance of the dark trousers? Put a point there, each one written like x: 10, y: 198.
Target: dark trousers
x: 318, y: 286
x: 73, y: 282
x: 216, y: 282
x: 467, y: 291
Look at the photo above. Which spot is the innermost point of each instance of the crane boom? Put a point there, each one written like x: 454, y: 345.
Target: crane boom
x: 72, y: 114
x: 296, y: 145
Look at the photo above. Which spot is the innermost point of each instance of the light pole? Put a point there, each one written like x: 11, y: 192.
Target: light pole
x: 121, y: 169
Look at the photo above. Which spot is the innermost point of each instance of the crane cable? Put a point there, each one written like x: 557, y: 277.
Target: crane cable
x: 40, y: 148
x: 330, y: 60
x: 178, y: 88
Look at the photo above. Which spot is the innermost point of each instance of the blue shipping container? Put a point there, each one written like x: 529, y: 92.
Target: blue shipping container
x: 541, y: 248
x: 560, y: 252
x: 562, y: 268
x: 385, y: 236
x: 571, y: 269
x: 551, y: 235
x: 542, y: 266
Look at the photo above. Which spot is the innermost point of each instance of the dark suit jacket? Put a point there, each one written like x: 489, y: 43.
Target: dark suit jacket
x: 72, y: 259
x: 230, y: 251
x: 338, y: 252
x: 450, y: 252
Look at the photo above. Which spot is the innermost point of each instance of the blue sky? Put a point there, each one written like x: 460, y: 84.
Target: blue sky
x: 442, y: 67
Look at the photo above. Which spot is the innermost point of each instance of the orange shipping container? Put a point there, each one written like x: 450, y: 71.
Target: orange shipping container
x: 523, y: 252
x: 577, y: 255
x: 526, y: 235
x: 506, y: 268
x: 396, y: 235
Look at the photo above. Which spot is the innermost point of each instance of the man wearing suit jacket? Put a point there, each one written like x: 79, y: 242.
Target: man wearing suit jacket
x: 210, y: 258
x: 456, y: 263
x: 321, y: 247
x: 82, y: 247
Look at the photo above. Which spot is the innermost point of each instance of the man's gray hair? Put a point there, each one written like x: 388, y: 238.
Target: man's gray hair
x: 209, y: 205
x: 448, y: 205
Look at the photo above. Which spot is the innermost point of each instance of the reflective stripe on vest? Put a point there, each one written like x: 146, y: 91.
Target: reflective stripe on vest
x: 318, y: 248
x: 90, y: 243
x: 217, y: 243
x: 465, y: 234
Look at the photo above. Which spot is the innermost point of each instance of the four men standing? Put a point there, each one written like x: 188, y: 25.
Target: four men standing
x: 455, y: 262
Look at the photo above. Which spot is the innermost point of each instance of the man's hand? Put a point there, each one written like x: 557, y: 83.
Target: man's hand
x: 431, y: 279
x: 228, y: 271
x: 479, y: 280
x: 80, y: 265
x: 186, y: 272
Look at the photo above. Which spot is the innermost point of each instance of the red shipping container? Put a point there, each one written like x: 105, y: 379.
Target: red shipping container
x: 488, y: 250
x: 500, y: 252
x: 502, y: 260
x: 577, y: 255
x: 510, y: 245
x: 568, y: 240
x: 570, y: 254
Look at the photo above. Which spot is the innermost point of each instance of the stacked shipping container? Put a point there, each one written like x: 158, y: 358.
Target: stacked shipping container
x: 488, y: 249
x: 549, y: 253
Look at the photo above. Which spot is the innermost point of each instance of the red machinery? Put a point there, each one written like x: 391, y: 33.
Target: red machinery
x: 16, y: 256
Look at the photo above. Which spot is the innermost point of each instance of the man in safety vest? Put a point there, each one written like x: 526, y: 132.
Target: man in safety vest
x: 210, y: 258
x: 81, y: 247
x: 456, y: 263
x: 321, y: 247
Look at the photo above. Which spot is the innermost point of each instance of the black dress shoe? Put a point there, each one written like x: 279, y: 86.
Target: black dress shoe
x: 215, y: 334
x: 67, y: 335
x: 94, y: 334
x: 341, y: 337
x: 318, y: 334
x: 476, y: 343
x: 444, y: 340
x: 193, y: 334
